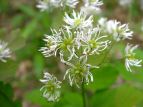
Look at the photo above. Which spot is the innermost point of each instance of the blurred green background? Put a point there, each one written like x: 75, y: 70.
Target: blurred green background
x: 22, y: 25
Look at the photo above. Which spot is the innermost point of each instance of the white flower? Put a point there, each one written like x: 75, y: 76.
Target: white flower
x: 48, y: 4
x: 93, y: 42
x: 80, y: 72
x: 78, y: 20
x: 102, y: 22
x: 130, y: 60
x: 69, y: 3
x: 94, y: 3
x: 125, y: 3
x: 120, y: 31
x: 51, y: 87
x: 62, y: 42
x: 116, y: 29
x: 4, y: 51
x: 91, y: 6
x: 51, y: 45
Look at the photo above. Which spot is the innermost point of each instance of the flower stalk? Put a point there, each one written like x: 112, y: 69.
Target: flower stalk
x: 84, y: 99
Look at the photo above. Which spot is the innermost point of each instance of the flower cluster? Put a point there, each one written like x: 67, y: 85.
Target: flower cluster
x: 89, y: 6
x: 51, y: 87
x: 49, y: 4
x: 121, y: 32
x: 4, y: 51
x: 79, y: 39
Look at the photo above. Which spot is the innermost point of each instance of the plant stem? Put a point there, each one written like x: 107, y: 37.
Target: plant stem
x: 83, y: 95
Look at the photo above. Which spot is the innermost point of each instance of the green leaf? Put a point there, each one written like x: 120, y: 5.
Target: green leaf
x: 104, y: 77
x: 103, y: 99
x: 71, y: 99
x: 6, y: 96
x: 35, y: 97
x: 28, y: 10
x: 123, y: 96
x: 38, y: 64
x: 4, y: 6
x: 68, y: 99
x: 127, y: 96
x: 136, y: 76
x: 30, y: 27
x: 17, y: 20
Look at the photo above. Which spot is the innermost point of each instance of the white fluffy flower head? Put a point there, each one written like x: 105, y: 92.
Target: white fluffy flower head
x: 93, y: 42
x: 116, y: 29
x: 51, y: 87
x: 80, y: 72
x: 60, y: 41
x: 78, y: 20
x: 4, y: 51
x: 130, y: 60
x: 91, y: 6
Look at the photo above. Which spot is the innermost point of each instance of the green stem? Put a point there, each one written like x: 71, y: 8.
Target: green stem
x: 83, y: 95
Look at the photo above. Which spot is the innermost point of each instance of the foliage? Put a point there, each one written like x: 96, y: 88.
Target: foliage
x: 6, y: 96
x: 22, y: 26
